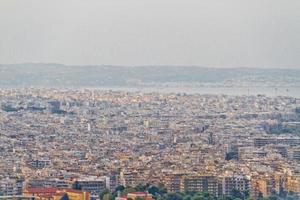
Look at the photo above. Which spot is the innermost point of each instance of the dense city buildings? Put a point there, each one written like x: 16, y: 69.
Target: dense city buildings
x: 77, y: 144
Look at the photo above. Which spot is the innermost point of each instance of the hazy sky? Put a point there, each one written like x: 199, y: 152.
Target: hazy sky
x: 250, y: 33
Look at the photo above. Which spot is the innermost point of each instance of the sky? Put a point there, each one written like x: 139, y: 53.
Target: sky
x: 211, y: 33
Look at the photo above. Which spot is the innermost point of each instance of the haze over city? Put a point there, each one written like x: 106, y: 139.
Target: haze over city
x: 150, y: 99
x: 231, y: 33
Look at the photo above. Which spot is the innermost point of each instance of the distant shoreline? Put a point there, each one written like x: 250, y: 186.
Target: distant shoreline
x: 209, y: 90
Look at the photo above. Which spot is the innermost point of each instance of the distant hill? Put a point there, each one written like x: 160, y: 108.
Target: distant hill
x: 57, y: 75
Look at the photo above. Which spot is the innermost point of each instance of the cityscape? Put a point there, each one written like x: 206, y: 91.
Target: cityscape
x: 91, y: 142
x: 149, y: 100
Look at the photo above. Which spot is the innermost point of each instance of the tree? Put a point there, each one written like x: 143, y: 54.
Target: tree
x: 173, y: 196
x: 187, y: 197
x: 162, y: 189
x: 274, y: 197
x: 128, y: 190
x: 282, y: 193
x: 260, y: 196
x: 107, y: 196
x: 201, y: 196
x: 120, y: 188
x: 189, y: 193
x: 141, y: 187
x: 237, y: 194
x: 153, y: 190
x: 104, y: 192
x: 198, y: 197
x: 65, y: 197
x: 227, y: 198
x: 246, y: 194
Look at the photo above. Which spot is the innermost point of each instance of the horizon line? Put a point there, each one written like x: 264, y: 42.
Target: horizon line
x: 156, y: 65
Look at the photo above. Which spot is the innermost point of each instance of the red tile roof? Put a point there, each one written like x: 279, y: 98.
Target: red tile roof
x: 138, y: 193
x: 48, y: 192
x: 41, y: 190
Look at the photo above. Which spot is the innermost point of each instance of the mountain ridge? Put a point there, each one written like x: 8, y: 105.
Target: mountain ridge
x: 59, y: 75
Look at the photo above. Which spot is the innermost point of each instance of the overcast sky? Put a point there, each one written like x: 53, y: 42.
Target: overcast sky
x: 217, y: 33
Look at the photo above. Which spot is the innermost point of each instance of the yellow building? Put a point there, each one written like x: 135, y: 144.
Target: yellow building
x: 56, y: 194
x: 293, y: 183
x: 77, y: 194
x: 264, y: 185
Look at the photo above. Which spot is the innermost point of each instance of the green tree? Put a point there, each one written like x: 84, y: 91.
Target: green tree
x: 153, y: 190
x: 104, y: 192
x: 128, y: 190
x: 120, y: 188
x: 141, y: 187
x: 106, y: 196
x: 187, y: 197
x: 228, y: 197
x: 173, y: 196
x: 201, y: 196
x: 238, y: 194
x: 162, y: 189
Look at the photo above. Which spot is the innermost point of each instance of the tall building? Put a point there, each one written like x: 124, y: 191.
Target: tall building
x: 11, y: 186
x: 131, y: 178
x: 264, y: 186
x: 172, y: 181
x: 48, y: 183
x: 201, y: 183
x: 94, y: 185
x: 114, y: 180
x: 235, y: 182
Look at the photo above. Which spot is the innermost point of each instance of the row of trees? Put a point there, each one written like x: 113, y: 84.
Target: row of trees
x: 159, y: 192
